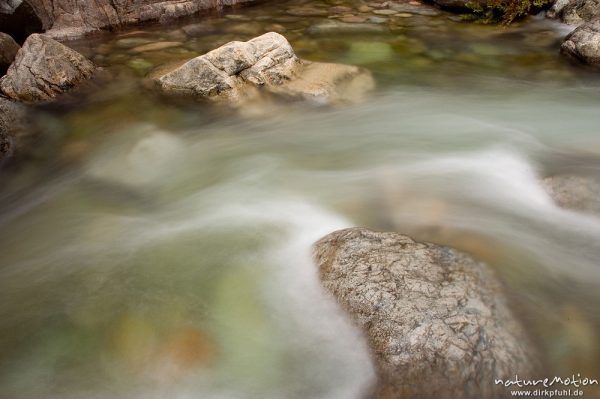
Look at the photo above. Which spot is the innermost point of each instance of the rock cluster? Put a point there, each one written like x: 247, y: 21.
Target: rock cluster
x: 436, y: 320
x: 236, y: 70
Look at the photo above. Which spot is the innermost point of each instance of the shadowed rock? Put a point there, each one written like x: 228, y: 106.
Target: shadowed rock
x: 437, y: 321
x: 235, y: 71
x: 8, y: 52
x: 43, y: 69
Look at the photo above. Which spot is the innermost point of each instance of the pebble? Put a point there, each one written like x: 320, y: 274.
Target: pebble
x: 365, y: 8
x: 131, y: 42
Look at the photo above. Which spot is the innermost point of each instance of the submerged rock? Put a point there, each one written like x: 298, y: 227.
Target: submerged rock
x: 437, y: 321
x: 8, y: 52
x: 43, y: 69
x: 236, y: 70
x: 583, y: 44
x: 13, y: 127
x: 580, y: 193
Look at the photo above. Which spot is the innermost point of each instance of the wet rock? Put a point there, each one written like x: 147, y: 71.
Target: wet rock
x: 131, y: 42
x: 436, y: 320
x: 43, y: 69
x: 583, y: 44
x: 580, y: 193
x: 156, y: 46
x: 13, y: 128
x: 234, y: 71
x: 8, y: 52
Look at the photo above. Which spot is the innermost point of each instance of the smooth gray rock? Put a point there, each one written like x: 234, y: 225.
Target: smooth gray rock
x: 583, y: 44
x: 43, y: 69
x: 437, y: 321
x: 235, y: 71
x: 8, y: 52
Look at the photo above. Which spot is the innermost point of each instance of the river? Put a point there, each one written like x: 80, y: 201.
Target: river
x: 153, y: 249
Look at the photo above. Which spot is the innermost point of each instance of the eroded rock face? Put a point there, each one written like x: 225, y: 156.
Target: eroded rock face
x: 43, y: 69
x: 583, y: 44
x: 437, y: 320
x: 68, y: 18
x: 580, y: 193
x: 236, y: 70
x: 8, y: 52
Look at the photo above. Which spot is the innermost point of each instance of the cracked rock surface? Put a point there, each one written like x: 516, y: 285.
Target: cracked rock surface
x: 236, y: 70
x: 43, y: 69
x: 437, y: 322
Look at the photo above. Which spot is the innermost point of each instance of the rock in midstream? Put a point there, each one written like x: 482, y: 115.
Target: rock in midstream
x: 583, y: 44
x: 43, y: 69
x: 581, y: 193
x: 237, y: 70
x: 437, y: 321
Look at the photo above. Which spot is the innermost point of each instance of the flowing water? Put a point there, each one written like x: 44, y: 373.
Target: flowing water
x: 160, y: 250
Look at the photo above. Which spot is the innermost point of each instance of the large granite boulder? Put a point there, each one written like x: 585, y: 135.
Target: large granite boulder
x: 43, y: 69
x: 68, y: 18
x: 437, y: 321
x: 8, y: 52
x: 235, y: 71
x: 583, y: 44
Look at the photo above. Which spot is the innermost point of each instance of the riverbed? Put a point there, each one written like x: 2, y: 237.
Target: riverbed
x: 159, y: 249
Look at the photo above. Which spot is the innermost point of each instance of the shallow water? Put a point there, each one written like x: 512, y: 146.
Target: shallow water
x: 160, y: 250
